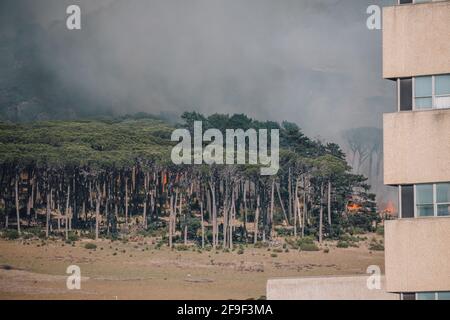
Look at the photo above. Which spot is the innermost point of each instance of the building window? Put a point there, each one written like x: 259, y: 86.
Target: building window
x: 432, y: 200
x: 423, y: 92
x: 443, y: 199
x: 442, y: 91
x: 433, y: 296
x: 405, y: 94
x: 413, y: 1
x: 425, y: 296
x: 407, y: 201
x: 408, y: 296
x: 443, y: 295
x: 424, y: 200
x: 431, y: 92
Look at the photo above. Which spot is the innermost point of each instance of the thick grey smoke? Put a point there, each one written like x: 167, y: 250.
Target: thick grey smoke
x: 313, y: 62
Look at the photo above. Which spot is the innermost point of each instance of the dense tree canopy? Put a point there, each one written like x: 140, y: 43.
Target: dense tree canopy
x: 117, y: 175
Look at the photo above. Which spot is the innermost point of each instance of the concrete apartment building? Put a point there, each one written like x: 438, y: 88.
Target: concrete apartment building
x: 416, y: 55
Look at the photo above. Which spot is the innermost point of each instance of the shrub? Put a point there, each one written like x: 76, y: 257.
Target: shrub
x: 375, y: 245
x: 356, y: 230
x: 182, y: 247
x: 283, y: 232
x: 159, y: 245
x: 274, y: 255
x: 342, y: 244
x: 72, y: 237
x: 380, y: 231
x: 27, y: 236
x: 11, y: 234
x: 260, y: 244
x: 307, y: 244
x: 90, y: 246
x: 309, y: 247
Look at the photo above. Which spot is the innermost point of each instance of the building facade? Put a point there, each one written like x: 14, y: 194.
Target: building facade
x: 416, y: 55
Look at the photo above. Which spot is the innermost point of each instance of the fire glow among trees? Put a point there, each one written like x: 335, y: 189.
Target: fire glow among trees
x: 114, y: 177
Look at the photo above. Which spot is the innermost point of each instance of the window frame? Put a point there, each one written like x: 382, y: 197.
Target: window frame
x: 412, y: 2
x: 436, y: 295
x: 433, y: 96
x: 435, y: 203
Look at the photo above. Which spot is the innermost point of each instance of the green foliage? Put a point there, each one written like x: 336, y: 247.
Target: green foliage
x: 380, y: 230
x: 72, y: 237
x: 105, y: 146
x: 90, y: 246
x: 376, y: 245
x: 182, y: 247
x: 309, y: 247
x: 11, y: 234
x: 283, y: 232
x: 342, y: 244
x: 261, y: 244
x: 303, y: 244
x: 90, y: 143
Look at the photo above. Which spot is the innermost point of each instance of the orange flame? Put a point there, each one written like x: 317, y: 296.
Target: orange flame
x: 352, y: 207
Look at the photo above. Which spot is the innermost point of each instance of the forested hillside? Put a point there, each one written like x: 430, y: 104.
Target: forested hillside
x: 114, y: 178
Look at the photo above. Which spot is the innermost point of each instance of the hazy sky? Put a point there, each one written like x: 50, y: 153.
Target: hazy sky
x: 312, y: 62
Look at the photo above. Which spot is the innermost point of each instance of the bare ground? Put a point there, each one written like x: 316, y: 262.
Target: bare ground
x: 136, y: 270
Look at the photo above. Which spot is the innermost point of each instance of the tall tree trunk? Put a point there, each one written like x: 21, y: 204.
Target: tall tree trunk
x: 214, y: 214
x: 255, y: 239
x: 97, y: 212
x: 245, y: 208
x: 126, y: 203
x: 329, y: 202
x: 83, y: 210
x: 305, y: 207
x: 66, y: 216
x: 295, y: 207
x: 203, y: 225
x: 33, y: 193
x: 272, y: 203
x: 281, y: 204
x: 174, y: 218
x: 230, y: 222
x: 321, y: 214
x: 144, y: 214
x: 17, y: 203
x: 225, y: 218
x: 170, y: 220
x: 48, y: 213
x: 30, y: 198
x: 290, y: 195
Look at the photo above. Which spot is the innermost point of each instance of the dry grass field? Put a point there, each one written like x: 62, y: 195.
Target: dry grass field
x: 33, y: 269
